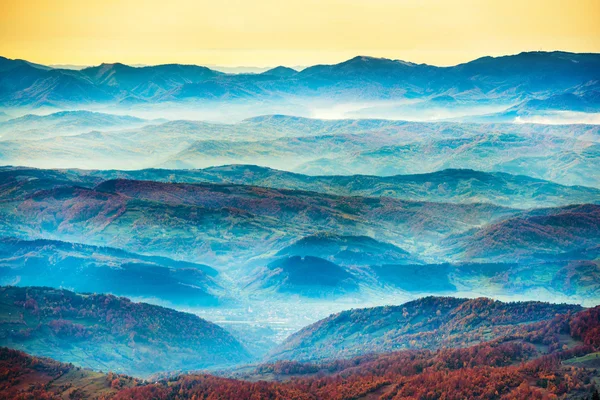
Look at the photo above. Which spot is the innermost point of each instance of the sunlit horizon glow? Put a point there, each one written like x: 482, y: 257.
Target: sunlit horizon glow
x: 267, y: 33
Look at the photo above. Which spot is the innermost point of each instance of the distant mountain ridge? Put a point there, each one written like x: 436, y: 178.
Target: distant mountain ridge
x: 129, y: 214
x: 511, y: 78
x: 63, y: 123
x: 449, y: 185
x: 565, y: 154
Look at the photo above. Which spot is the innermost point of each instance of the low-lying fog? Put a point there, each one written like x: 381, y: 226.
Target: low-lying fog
x: 405, y: 109
x: 261, y: 323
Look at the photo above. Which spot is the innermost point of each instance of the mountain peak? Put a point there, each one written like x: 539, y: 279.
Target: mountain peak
x: 369, y: 60
x: 115, y: 65
x: 281, y: 71
x: 365, y: 59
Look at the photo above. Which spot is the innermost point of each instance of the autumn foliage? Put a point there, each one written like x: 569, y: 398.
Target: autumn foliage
x: 527, y: 364
x: 506, y: 368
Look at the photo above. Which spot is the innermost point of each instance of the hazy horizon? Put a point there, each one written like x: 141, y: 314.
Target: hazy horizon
x: 248, y: 68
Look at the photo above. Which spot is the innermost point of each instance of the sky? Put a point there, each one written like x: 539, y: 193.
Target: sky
x: 290, y: 32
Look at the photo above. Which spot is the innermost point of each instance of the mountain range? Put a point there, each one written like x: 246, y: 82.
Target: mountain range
x: 215, y: 223
x: 219, y: 241
x: 373, y: 229
x: 65, y: 123
x: 450, y: 185
x: 507, y: 79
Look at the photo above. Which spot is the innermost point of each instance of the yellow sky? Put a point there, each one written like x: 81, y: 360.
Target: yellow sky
x: 290, y: 32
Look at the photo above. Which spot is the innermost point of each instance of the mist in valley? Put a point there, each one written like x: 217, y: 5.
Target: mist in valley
x: 298, y: 214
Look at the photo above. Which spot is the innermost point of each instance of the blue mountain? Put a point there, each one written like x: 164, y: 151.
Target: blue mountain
x: 513, y: 78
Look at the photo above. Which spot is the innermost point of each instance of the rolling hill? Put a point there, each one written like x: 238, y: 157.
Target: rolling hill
x: 25, y: 376
x: 25, y: 84
x: 218, y: 224
x: 143, y: 83
x: 294, y: 229
x: 426, y: 323
x: 93, y: 269
x: 558, y: 159
x: 448, y: 186
x: 347, y: 250
x: 35, y: 127
x: 306, y: 276
x: 533, y: 234
x: 554, y: 358
x: 565, y: 154
x: 451, y: 185
x: 387, y: 245
x: 550, y: 358
x: 112, y: 333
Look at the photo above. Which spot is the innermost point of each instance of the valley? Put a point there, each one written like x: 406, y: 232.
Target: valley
x: 559, y: 153
x: 370, y: 229
x: 265, y: 262
x: 504, y: 364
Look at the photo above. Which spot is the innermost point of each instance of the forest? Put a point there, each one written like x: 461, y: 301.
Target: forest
x: 547, y: 360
